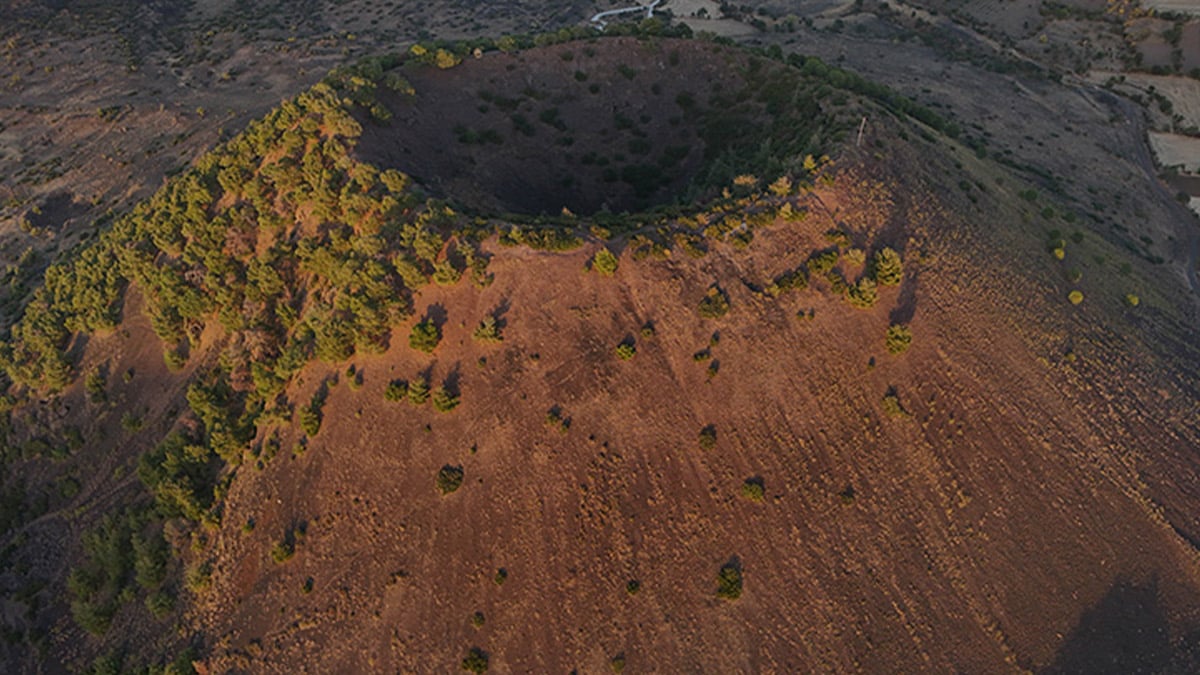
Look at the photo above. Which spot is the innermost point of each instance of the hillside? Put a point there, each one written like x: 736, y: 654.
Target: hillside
x: 398, y: 379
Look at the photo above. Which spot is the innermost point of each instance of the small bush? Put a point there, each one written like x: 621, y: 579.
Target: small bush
x: 397, y: 390
x: 487, y: 331
x: 1133, y: 300
x: 708, y: 437
x: 729, y: 581
x: 887, y: 268
x: 476, y: 661
x: 891, y: 404
x: 822, y: 263
x: 604, y: 262
x: 198, y: 577
x: 633, y: 586
x: 131, y: 422
x: 898, y: 338
x: 160, y: 603
x: 556, y: 419
x: 425, y: 336
x: 94, y: 385
x: 501, y: 576
x: 445, y: 59
x: 862, y: 295
x: 617, y: 665
x: 626, y: 351
x: 444, y: 400
x: 310, y: 419
x: 284, y: 549
x: 477, y: 619
x: 449, y: 479
x: 418, y: 390
x: 1075, y: 297
x: 794, y: 280
x: 753, y: 489
x: 715, y: 303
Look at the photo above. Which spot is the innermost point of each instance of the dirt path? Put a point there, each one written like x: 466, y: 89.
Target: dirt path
x: 599, y: 22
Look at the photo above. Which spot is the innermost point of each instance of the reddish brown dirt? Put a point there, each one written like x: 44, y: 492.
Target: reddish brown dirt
x: 1010, y: 523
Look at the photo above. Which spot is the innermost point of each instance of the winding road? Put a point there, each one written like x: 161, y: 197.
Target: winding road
x: 599, y: 22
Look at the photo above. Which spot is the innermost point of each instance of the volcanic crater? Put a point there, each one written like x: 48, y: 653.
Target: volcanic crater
x: 614, y: 125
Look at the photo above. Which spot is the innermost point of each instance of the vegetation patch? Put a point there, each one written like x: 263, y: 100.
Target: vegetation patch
x: 729, y: 581
x: 897, y: 339
x: 424, y: 336
x: 714, y: 304
x: 449, y: 479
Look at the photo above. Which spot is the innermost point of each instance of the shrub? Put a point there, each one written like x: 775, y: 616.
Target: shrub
x: 445, y: 274
x: 617, y: 664
x: 396, y: 390
x: 794, y: 280
x: 444, y: 401
x: 501, y: 576
x: 160, y: 603
x: 753, y: 489
x: 174, y: 360
x: 198, y: 577
x: 708, y: 437
x: 310, y: 419
x: 476, y: 661
x: 837, y: 284
x: 891, y: 404
x: 425, y: 336
x: 354, y: 377
x: 715, y: 303
x: 729, y: 581
x: 823, y: 262
x: 477, y: 619
x: 1133, y: 300
x: 1075, y: 297
x: 418, y: 390
x: 626, y: 351
x: 94, y: 385
x: 133, y: 423
x: 898, y: 338
x: 887, y: 267
x: 556, y: 419
x: 862, y: 295
x: 445, y: 59
x: 633, y: 586
x: 449, y: 479
x: 487, y: 331
x: 604, y: 262
x: 284, y: 549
